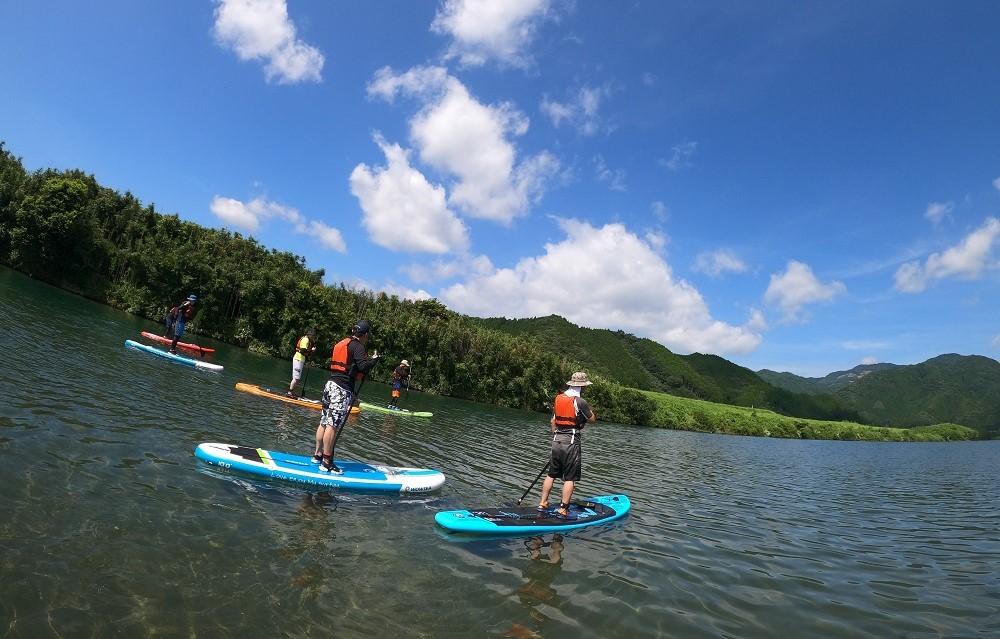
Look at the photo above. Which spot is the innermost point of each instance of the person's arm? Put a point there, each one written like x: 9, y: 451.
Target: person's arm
x: 586, y: 410
x: 362, y: 362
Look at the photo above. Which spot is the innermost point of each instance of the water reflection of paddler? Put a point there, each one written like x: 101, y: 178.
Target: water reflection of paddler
x: 312, y: 538
x: 539, y: 573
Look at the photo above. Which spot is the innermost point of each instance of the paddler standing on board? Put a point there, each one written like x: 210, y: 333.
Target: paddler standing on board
x: 400, y: 380
x: 177, y: 319
x: 304, y: 347
x: 348, y: 363
x: 570, y: 413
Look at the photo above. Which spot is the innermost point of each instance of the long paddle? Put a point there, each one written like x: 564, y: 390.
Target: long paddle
x: 533, y: 483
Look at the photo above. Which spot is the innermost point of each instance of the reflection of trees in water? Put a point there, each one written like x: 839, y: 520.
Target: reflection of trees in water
x: 539, y: 573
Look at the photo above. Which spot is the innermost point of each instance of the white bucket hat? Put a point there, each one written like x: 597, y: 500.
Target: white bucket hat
x: 579, y: 378
x: 404, y: 363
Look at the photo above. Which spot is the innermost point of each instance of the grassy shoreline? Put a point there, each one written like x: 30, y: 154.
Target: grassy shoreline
x: 680, y: 413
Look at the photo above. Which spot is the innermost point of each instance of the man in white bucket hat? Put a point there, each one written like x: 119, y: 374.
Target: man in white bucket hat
x: 570, y: 413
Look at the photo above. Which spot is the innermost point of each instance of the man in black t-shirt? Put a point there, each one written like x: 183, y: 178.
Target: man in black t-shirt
x: 348, y: 363
x: 570, y: 413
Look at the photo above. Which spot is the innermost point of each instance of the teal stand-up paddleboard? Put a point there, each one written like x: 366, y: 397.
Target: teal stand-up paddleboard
x: 301, y: 469
x: 394, y: 411
x: 530, y: 521
x: 187, y: 361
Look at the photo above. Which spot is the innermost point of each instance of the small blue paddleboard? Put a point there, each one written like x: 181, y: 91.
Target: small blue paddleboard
x: 187, y: 361
x: 301, y: 469
x: 528, y: 520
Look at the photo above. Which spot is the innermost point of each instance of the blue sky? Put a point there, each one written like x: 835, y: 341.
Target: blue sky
x: 795, y: 186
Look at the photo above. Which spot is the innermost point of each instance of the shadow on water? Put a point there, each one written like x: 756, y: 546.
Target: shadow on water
x: 112, y: 527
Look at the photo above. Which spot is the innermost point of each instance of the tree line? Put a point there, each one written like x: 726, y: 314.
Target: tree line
x: 64, y: 228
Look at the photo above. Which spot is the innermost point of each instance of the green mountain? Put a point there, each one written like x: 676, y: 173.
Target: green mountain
x: 644, y: 364
x: 829, y: 384
x: 964, y: 389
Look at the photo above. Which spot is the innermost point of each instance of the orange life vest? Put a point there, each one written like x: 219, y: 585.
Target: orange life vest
x: 565, y: 411
x: 339, y: 357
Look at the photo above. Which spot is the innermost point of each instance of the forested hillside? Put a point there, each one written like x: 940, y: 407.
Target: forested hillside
x: 648, y: 365
x: 964, y: 389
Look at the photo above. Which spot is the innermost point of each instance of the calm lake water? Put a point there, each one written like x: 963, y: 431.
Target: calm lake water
x: 111, y: 527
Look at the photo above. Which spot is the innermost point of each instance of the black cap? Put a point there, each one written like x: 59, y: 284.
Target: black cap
x: 362, y: 327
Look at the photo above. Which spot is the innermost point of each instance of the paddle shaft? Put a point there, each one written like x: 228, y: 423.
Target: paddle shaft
x: 545, y: 468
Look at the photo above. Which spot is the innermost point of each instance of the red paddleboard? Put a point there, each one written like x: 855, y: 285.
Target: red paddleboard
x: 184, y: 345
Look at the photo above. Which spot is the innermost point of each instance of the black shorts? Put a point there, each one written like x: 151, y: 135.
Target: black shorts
x: 566, y: 461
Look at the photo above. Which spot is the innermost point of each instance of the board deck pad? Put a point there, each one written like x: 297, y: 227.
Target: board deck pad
x: 365, y: 476
x: 527, y: 519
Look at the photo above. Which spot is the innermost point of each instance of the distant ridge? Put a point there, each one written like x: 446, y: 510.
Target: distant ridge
x: 964, y: 389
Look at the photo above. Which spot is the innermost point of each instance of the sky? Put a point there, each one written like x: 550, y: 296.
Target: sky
x: 799, y: 186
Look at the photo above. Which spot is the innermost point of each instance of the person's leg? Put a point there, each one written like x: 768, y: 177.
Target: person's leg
x: 340, y: 406
x: 571, y: 474
x: 178, y: 333
x: 543, y: 501
x: 326, y: 421
x: 296, y: 375
x: 567, y: 496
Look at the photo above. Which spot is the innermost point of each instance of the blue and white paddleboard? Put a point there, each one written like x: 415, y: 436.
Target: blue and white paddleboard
x: 187, y: 361
x: 301, y: 469
x: 528, y: 520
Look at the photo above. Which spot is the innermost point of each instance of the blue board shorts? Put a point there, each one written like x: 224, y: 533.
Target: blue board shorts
x: 336, y: 405
x: 179, y: 328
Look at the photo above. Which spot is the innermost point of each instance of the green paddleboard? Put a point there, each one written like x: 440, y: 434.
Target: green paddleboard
x: 394, y: 411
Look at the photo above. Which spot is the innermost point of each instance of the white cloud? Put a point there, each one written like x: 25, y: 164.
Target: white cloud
x: 868, y: 361
x: 715, y: 263
x: 796, y: 287
x: 996, y: 184
x: 660, y: 210
x: 615, y: 179
x: 261, y: 30
x: 757, y: 322
x: 402, y: 211
x: 456, y: 134
x: 967, y: 260
x: 996, y: 340
x: 447, y: 269
x: 648, y: 78
x: 636, y: 291
x: 406, y: 293
x: 580, y: 111
x: 250, y: 215
x: 681, y: 157
x: 657, y: 240
x: 485, y: 30
x: 937, y: 211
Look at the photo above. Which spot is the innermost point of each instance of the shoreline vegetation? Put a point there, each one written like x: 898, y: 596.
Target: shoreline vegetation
x: 681, y: 413
x: 63, y: 228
